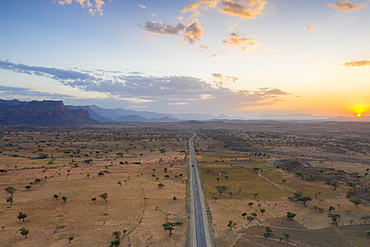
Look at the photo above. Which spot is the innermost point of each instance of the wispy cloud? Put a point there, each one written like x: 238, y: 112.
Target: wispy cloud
x: 29, y: 94
x: 142, y: 6
x: 345, y: 6
x: 236, y: 39
x: 152, y: 90
x: 246, y: 9
x: 362, y: 63
x: 159, y: 27
x: 218, y: 53
x: 310, y: 27
x: 93, y: 6
x: 241, y: 8
x: 192, y: 33
x: 222, y: 79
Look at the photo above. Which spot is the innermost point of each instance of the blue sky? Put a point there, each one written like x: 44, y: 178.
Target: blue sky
x: 237, y: 57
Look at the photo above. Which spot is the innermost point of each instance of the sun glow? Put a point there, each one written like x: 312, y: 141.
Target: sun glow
x: 359, y: 110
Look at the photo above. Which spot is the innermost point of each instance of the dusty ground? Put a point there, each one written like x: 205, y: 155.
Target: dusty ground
x: 130, y: 207
x: 272, y: 196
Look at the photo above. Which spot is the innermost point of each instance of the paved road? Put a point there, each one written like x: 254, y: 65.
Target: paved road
x: 199, y: 224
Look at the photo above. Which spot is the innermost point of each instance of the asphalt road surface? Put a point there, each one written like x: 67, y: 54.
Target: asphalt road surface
x: 200, y: 237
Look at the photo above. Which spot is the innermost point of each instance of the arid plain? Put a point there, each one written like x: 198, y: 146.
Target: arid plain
x: 266, y: 168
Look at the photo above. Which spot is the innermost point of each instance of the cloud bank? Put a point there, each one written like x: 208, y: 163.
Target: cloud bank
x: 182, y: 93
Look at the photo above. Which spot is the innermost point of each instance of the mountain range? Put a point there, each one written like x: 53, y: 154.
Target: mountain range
x: 55, y: 113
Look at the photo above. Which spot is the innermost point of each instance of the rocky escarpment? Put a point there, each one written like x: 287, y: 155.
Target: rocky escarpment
x: 41, y: 113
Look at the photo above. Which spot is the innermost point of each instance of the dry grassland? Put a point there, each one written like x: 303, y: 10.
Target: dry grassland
x: 135, y: 203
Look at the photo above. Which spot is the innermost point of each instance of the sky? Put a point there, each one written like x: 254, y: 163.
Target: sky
x: 241, y: 58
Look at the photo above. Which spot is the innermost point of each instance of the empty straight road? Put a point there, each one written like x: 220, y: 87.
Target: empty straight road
x: 199, y: 233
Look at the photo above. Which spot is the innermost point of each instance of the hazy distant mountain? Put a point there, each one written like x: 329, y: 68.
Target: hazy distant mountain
x: 115, y: 114
x: 92, y: 113
x: 294, y: 116
x: 41, y: 113
x: 195, y: 116
x: 131, y: 118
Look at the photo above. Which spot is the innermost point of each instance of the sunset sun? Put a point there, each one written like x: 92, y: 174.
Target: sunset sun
x: 359, y: 115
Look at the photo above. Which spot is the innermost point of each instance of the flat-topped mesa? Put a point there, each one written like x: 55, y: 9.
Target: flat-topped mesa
x: 41, y: 113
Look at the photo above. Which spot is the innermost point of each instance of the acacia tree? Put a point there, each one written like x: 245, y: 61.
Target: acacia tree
x: 304, y: 199
x: 290, y: 215
x: 221, y: 189
x: 24, y: 232
x: 160, y: 185
x: 255, y: 195
x: 10, y: 190
x: 286, y: 235
x: 10, y: 200
x: 231, y: 224
x: 22, y: 216
x: 170, y: 226
x: 104, y: 196
x: 116, y: 234
x: 70, y: 239
x: 331, y: 208
x: 356, y: 202
x: 115, y: 243
x: 335, y: 218
x: 64, y: 198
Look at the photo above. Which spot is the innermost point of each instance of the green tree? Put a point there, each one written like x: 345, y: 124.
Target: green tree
x: 221, y: 189
x: 356, y: 202
x: 56, y: 196
x: 250, y: 204
x: 262, y: 210
x: 174, y: 198
x: 231, y: 224
x: 115, y: 243
x: 28, y: 187
x: 22, y: 216
x: 10, y: 200
x: 304, y: 199
x: 250, y: 218
x: 104, y: 196
x: 368, y: 233
x: 244, y: 214
x: 116, y: 234
x: 290, y: 215
x: 287, y: 236
x: 24, y: 232
x: 93, y: 199
x: 255, y: 195
x: 335, y: 218
x: 331, y: 208
x: 10, y: 190
x: 170, y: 226
x: 268, y: 231
x: 70, y: 239
x: 64, y: 198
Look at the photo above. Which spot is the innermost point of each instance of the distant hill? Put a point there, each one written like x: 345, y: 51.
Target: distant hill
x: 116, y: 114
x: 42, y: 113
